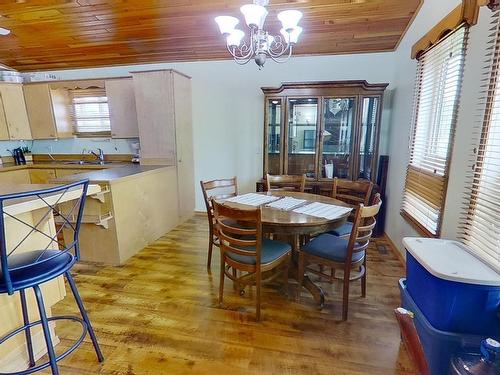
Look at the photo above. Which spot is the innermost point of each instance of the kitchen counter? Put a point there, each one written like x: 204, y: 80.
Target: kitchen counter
x: 6, y: 167
x: 136, y: 205
x: 30, y: 204
x: 114, y: 174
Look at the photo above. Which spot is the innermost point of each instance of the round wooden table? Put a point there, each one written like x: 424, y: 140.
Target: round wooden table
x: 288, y: 222
x: 292, y: 224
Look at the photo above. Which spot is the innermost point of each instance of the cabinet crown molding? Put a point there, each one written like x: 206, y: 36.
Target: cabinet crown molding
x: 361, y: 84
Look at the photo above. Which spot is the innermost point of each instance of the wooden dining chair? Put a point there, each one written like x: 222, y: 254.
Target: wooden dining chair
x: 286, y: 182
x: 217, y: 189
x: 245, y: 255
x: 334, y: 252
x: 353, y: 193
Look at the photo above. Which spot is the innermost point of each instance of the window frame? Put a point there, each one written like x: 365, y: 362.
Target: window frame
x: 90, y: 134
x: 432, y: 201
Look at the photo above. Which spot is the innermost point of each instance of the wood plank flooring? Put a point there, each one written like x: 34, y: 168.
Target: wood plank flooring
x: 158, y: 314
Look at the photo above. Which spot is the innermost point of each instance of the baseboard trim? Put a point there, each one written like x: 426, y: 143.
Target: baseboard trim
x: 396, y: 252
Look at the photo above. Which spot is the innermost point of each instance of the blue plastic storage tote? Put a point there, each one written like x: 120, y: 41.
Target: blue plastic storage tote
x: 454, y: 290
x: 439, y: 346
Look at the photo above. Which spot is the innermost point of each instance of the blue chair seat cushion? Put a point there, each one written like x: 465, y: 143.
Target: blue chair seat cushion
x: 332, y: 248
x: 36, y: 267
x: 271, y: 250
x: 344, y: 230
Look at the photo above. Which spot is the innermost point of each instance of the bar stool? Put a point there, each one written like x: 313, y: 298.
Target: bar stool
x: 28, y: 269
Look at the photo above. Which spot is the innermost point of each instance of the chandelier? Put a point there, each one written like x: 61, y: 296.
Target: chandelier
x: 261, y: 44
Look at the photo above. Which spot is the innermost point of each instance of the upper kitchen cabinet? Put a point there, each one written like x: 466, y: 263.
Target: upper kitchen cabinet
x: 14, y: 114
x: 323, y: 129
x: 122, y: 112
x: 163, y: 103
x: 48, y: 111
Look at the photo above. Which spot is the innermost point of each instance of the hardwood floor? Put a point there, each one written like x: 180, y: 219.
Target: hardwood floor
x: 158, y: 314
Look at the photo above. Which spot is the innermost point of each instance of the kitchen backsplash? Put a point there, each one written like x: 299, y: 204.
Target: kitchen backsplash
x: 71, y: 146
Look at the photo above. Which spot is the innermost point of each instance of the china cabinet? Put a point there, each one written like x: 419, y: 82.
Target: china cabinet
x: 323, y: 129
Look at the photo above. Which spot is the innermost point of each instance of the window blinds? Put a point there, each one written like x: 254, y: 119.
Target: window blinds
x: 90, y: 111
x: 437, y: 93
x: 481, y: 220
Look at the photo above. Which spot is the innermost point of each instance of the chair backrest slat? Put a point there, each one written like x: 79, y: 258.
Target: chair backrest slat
x: 363, y: 224
x: 67, y: 214
x: 352, y: 192
x: 219, y: 189
x: 286, y: 182
x: 239, y: 231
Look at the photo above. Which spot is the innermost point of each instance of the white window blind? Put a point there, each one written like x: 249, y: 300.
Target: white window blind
x: 437, y: 94
x: 90, y: 111
x: 481, y: 220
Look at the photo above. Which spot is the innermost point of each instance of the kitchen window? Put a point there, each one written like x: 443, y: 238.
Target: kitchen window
x: 437, y: 95
x: 90, y: 111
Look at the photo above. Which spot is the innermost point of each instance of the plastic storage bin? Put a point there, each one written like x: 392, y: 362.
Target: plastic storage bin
x: 439, y: 346
x: 455, y: 291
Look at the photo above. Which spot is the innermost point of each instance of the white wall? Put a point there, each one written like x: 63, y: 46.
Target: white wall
x: 228, y: 105
x: 431, y: 13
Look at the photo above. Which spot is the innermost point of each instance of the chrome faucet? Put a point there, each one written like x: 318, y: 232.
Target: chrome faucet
x: 99, y: 155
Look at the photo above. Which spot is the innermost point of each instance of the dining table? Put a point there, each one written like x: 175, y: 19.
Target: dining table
x: 294, y: 225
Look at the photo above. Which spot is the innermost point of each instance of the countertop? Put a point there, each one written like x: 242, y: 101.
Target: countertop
x: 111, y: 175
x: 96, y: 173
x: 59, y: 165
x: 33, y: 203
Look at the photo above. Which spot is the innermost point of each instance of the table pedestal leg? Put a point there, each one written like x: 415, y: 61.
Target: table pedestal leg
x: 315, y: 290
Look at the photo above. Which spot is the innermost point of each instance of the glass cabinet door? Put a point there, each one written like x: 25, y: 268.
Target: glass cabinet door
x: 274, y: 136
x: 368, y: 137
x: 337, y: 137
x: 302, y: 130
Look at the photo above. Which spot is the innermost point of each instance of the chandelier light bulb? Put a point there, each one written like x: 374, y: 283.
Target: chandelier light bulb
x: 289, y: 19
x: 226, y: 24
x: 291, y: 37
x: 255, y: 15
x: 234, y: 39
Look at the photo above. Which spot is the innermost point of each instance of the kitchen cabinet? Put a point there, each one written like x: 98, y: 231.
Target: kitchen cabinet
x: 48, y: 111
x: 14, y: 111
x: 18, y: 176
x: 122, y: 112
x: 4, y: 131
x: 163, y: 103
x: 323, y: 129
x: 41, y: 176
x: 68, y: 172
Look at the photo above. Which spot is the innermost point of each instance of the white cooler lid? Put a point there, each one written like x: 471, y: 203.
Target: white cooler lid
x: 450, y: 260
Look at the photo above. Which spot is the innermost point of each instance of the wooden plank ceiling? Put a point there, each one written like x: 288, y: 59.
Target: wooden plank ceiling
x: 65, y: 34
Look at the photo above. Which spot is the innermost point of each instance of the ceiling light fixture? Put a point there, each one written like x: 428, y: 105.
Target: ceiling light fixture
x: 261, y: 45
x: 4, y: 31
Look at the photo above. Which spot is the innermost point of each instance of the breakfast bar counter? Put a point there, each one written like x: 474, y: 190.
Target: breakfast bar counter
x: 137, y: 205
x: 13, y: 355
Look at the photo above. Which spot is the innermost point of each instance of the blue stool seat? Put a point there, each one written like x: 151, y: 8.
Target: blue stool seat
x: 271, y: 250
x: 36, y: 267
x: 344, y: 230
x: 331, y: 247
